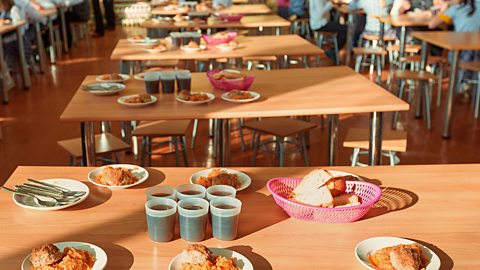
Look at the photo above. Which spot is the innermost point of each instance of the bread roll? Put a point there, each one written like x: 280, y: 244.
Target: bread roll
x: 316, y: 197
x: 346, y: 200
x: 314, y: 180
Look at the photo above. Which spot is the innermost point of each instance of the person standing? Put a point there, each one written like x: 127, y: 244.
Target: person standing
x: 109, y: 14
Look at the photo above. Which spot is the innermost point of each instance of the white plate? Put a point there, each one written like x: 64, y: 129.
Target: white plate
x: 370, y: 245
x: 187, y: 49
x: 244, y: 179
x: 242, y: 261
x: 121, y: 100
x: 107, y: 91
x: 147, y: 42
x: 226, y: 47
x: 210, y: 98
x: 124, y: 78
x: 255, y: 96
x: 100, y: 255
x: 156, y: 50
x: 139, y: 172
x: 74, y: 185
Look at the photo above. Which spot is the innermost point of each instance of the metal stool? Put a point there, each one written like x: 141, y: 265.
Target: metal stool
x: 320, y: 37
x: 475, y: 67
x: 300, y: 26
x: 80, y: 30
x: 375, y: 54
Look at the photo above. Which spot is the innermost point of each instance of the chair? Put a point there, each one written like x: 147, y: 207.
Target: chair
x: 376, y: 54
x: 280, y: 128
x: 105, y: 144
x: 330, y: 37
x: 393, y: 141
x: 176, y: 129
x: 80, y: 30
x: 475, y: 67
x: 300, y: 26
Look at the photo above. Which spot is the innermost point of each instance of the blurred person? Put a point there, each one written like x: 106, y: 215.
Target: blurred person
x: 109, y: 16
x: 374, y: 8
x: 283, y: 6
x: 298, y: 9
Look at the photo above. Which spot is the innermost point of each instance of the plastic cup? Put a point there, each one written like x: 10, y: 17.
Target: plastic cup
x: 225, y: 212
x: 168, y: 82
x: 184, y: 80
x: 190, y: 191
x: 220, y: 191
x: 196, y: 37
x: 161, y: 192
x: 176, y: 39
x: 186, y: 37
x: 192, y: 217
x: 151, y: 82
x: 161, y: 213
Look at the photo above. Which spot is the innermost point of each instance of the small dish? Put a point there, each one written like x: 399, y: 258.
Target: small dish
x: 103, y: 89
x: 122, y: 99
x: 254, y: 95
x: 370, y: 245
x: 242, y: 262
x: 226, y: 48
x: 101, y: 258
x: 73, y: 185
x: 156, y: 50
x: 187, y: 49
x: 139, y: 172
x: 210, y: 98
x: 124, y: 78
x: 243, y: 178
x: 147, y: 42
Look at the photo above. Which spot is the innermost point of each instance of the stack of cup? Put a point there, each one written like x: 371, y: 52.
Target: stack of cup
x: 151, y: 82
x: 168, y: 82
x: 184, y: 80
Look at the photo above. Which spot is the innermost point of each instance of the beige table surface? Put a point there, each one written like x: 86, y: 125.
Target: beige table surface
x: 246, y: 22
x: 247, y: 9
x: 314, y: 91
x: 405, y: 20
x: 451, y: 40
x: 436, y: 205
x: 293, y: 45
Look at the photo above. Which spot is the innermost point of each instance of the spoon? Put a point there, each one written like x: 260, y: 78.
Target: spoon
x: 37, y: 200
x: 65, y: 191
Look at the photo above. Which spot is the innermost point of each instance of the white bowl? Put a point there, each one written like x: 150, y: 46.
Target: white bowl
x: 122, y: 99
x: 243, y: 178
x: 242, y: 262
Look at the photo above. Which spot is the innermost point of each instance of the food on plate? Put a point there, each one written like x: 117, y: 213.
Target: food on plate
x: 160, y: 47
x: 188, y: 96
x: 321, y: 188
x: 112, y: 77
x: 399, y: 257
x: 199, y: 257
x: 192, y: 44
x: 137, y: 37
x: 142, y: 98
x: 111, y: 176
x: 49, y: 257
x: 228, y: 75
x: 202, y: 7
x: 179, y: 18
x: 219, y: 177
x: 239, y: 95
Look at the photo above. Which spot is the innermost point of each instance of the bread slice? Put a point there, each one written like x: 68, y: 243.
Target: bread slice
x: 312, y: 181
x: 336, y: 185
x: 346, y: 200
x: 316, y: 197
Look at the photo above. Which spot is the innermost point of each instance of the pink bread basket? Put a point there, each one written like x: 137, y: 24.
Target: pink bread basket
x: 282, y: 187
x: 215, y: 41
x: 231, y: 17
x: 229, y: 85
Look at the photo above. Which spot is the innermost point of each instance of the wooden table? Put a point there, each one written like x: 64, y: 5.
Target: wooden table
x: 436, y: 205
x: 293, y: 92
x: 292, y: 45
x: 343, y: 9
x: 247, y: 22
x: 247, y: 9
x: 4, y: 29
x: 455, y: 42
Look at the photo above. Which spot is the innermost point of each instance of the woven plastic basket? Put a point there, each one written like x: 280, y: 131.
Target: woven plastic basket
x: 215, y: 41
x: 229, y: 85
x: 231, y: 17
x: 282, y: 187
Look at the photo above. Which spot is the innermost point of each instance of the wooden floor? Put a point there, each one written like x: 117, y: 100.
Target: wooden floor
x: 31, y: 125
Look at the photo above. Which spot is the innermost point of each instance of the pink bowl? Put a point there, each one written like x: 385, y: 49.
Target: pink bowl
x: 282, y: 187
x: 215, y: 41
x: 231, y: 17
x: 229, y: 85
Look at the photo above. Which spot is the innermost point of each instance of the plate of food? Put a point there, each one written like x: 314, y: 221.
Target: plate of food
x: 103, y: 89
x: 226, y: 47
x: 197, y: 256
x: 239, y: 96
x: 192, y: 47
x: 66, y: 255
x: 112, y: 78
x: 195, y: 98
x: 157, y: 48
x: 395, y: 253
x: 71, y: 185
x: 136, y: 38
x: 118, y: 176
x: 140, y: 100
x: 221, y: 176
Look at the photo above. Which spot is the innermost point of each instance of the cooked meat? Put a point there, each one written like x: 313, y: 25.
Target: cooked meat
x: 45, y: 255
x: 197, y: 254
x: 405, y: 258
x: 116, y: 176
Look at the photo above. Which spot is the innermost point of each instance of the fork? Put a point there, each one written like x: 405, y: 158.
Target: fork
x: 61, y: 189
x: 37, y: 200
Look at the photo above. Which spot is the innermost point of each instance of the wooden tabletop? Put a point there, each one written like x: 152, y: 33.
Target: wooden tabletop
x: 246, y: 22
x: 247, y: 9
x: 436, y: 205
x: 11, y: 27
x: 314, y: 91
x: 451, y: 40
x: 248, y: 46
x: 405, y: 20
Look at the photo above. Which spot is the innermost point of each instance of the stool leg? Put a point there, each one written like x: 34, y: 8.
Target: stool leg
x: 184, y: 150
x: 356, y: 152
x: 379, y: 70
x: 391, y: 155
x: 372, y: 64
x: 400, y: 95
x: 215, y: 137
x: 240, y: 128
x: 439, y: 86
x: 256, y: 142
x: 71, y: 161
x: 358, y: 63
x: 427, y: 104
x: 477, y: 96
x: 117, y: 157
x: 194, y: 133
x: 175, y: 144
x: 143, y: 150
x: 281, y: 151
x: 304, y: 150
x: 335, y: 46
x: 149, y: 149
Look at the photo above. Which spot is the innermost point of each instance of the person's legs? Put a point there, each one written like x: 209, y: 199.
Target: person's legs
x: 109, y: 14
x: 97, y: 12
x: 341, y: 31
x: 283, y: 12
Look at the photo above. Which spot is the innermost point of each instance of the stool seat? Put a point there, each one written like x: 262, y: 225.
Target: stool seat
x: 375, y: 51
x: 413, y: 75
x: 281, y: 127
x: 374, y: 37
x: 105, y: 143
x: 162, y: 128
x: 294, y: 18
x: 260, y: 58
x: 409, y: 48
x: 473, y: 66
x: 392, y: 140
x: 432, y: 59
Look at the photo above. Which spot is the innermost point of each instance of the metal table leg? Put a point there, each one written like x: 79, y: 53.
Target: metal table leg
x: 403, y: 41
x: 447, y: 126
x: 350, y: 33
x: 423, y: 65
x: 278, y: 31
x: 51, y: 36
x: 23, y: 61
x: 224, y: 142
x: 87, y: 130
x: 4, y: 70
x: 41, y: 46
x: 332, y: 139
x: 375, y: 141
x: 64, y: 29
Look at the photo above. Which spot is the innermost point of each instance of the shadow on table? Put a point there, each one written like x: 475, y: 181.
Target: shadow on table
x: 258, y: 261
x: 393, y: 199
x: 98, y: 195
x: 155, y: 177
x: 446, y: 261
x: 118, y: 253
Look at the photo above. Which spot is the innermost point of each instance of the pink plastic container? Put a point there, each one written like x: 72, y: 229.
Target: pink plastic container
x: 282, y: 187
x: 215, y: 41
x: 231, y: 17
x: 229, y: 85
